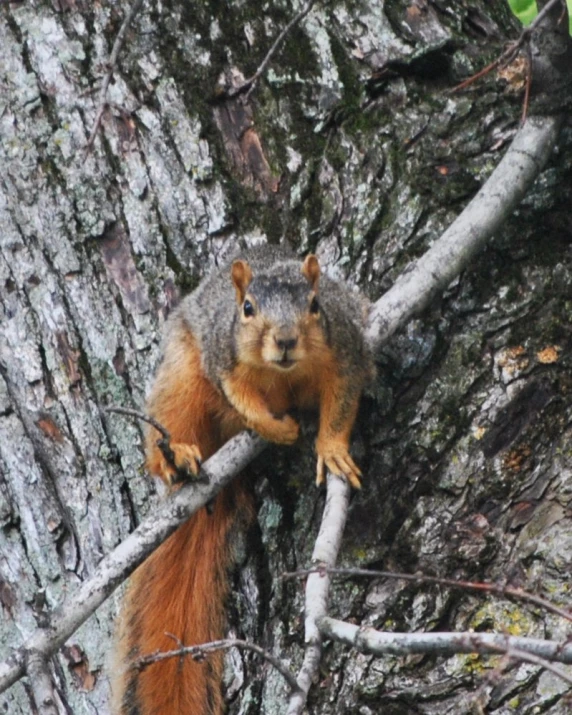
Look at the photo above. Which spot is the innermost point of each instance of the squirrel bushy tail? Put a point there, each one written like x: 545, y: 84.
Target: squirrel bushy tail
x: 181, y: 590
x: 178, y: 594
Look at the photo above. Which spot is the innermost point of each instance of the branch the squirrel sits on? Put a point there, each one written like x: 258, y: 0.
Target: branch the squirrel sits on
x: 259, y: 338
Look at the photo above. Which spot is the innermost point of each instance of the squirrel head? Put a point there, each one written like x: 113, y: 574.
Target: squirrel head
x: 279, y: 321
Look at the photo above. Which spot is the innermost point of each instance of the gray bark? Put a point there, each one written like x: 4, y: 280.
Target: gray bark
x: 350, y: 146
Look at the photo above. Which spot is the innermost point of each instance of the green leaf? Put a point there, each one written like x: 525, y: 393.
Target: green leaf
x: 526, y: 11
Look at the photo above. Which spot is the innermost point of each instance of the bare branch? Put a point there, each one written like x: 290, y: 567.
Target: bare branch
x: 325, y: 554
x: 199, y: 651
x: 164, y: 443
x: 117, y: 45
x: 249, y: 83
x: 522, y: 655
x: 496, y: 589
x: 476, y: 224
x: 369, y: 640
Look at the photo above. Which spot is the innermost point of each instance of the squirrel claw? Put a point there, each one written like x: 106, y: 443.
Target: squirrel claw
x: 188, y: 461
x: 340, y: 463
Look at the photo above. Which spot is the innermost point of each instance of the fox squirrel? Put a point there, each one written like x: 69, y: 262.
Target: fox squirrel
x: 284, y: 338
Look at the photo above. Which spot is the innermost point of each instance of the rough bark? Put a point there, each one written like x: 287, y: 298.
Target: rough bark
x: 353, y: 147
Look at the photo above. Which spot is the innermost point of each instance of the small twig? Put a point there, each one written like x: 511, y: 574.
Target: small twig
x: 102, y: 104
x: 511, y: 51
x: 198, y: 652
x: 517, y: 654
x: 527, y: 86
x: 249, y: 83
x: 164, y: 443
x: 502, y: 591
x: 140, y: 416
x: 489, y: 68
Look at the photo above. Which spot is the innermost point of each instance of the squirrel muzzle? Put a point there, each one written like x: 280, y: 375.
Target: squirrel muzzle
x: 282, y: 348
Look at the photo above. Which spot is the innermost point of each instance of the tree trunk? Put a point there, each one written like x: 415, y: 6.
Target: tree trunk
x: 352, y: 146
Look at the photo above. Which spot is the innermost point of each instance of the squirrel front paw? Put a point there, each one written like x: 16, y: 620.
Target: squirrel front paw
x: 187, y: 463
x: 282, y: 431
x: 336, y: 457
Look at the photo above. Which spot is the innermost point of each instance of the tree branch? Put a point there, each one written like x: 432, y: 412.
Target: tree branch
x: 248, y: 84
x: 477, y: 223
x: 527, y: 657
x: 369, y: 640
x: 325, y: 553
x: 113, y: 57
x: 199, y: 651
x: 38, y: 671
x: 496, y: 589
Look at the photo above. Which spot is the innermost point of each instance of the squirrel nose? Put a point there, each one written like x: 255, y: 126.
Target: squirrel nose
x: 286, y: 344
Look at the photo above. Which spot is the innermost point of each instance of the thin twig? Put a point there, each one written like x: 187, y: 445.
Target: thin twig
x: 502, y: 591
x: 249, y: 83
x: 199, y: 651
x: 511, y: 51
x: 517, y: 654
x: 527, y: 85
x: 489, y: 68
x: 140, y: 416
x: 134, y: 9
x: 544, y: 12
x: 164, y: 443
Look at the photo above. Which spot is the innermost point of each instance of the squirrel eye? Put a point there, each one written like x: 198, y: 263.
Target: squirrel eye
x: 247, y: 309
x: 314, y: 306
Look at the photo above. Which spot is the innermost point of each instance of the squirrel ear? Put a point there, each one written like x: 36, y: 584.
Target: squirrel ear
x: 311, y: 269
x: 241, y: 274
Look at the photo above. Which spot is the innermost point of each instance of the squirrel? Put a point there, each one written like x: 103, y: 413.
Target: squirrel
x: 260, y: 337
